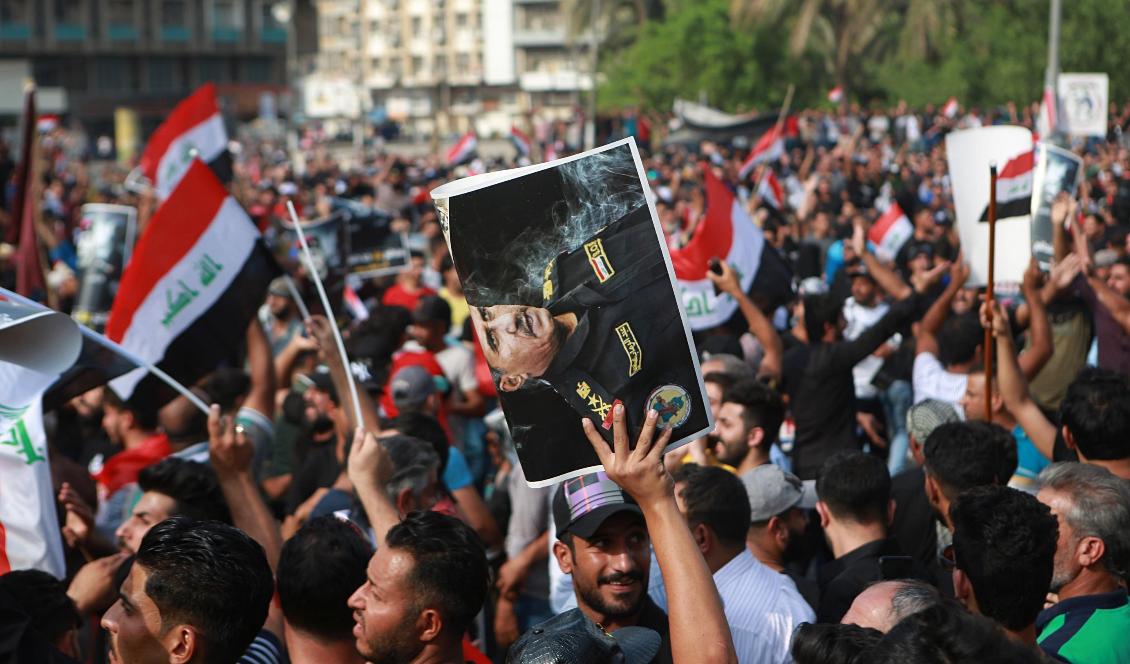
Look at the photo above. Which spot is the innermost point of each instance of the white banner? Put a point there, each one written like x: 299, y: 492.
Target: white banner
x: 1083, y: 103
x: 970, y: 152
x: 28, y: 523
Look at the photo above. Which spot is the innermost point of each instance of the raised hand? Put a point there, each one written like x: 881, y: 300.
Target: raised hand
x: 229, y: 450
x: 638, y: 471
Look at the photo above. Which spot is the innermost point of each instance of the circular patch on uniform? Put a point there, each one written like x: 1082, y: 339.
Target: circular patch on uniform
x: 672, y: 403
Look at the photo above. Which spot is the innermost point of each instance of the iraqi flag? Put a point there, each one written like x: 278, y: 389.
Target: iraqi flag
x: 194, y: 130
x: 836, y: 94
x: 1014, y: 188
x: 768, y: 149
x: 196, y: 278
x: 463, y: 150
x: 1048, y: 118
x: 727, y: 232
x: 521, y: 142
x: 890, y: 232
x: 771, y: 192
x: 950, y: 108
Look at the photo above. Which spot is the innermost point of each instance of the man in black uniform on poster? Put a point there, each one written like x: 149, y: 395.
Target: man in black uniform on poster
x: 608, y: 329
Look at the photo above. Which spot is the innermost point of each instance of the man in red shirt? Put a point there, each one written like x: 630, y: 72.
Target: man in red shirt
x: 135, y: 430
x: 409, y: 288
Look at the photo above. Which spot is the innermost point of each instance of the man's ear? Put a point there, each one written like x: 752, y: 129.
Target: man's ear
x: 564, y: 556
x: 825, y: 514
x: 1090, y: 551
x: 1069, y: 439
x: 963, y: 589
x: 891, y: 506
x: 405, y: 501
x: 755, y: 437
x: 182, y: 643
x: 511, y: 382
x: 429, y: 624
x: 702, y: 537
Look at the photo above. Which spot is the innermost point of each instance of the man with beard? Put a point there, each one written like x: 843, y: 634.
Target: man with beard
x: 748, y: 422
x: 602, y: 542
x: 424, y: 586
x: 1090, y: 621
x: 778, y: 503
x: 279, y: 316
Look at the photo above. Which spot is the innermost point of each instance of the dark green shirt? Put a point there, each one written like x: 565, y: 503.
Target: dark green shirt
x: 1092, y: 629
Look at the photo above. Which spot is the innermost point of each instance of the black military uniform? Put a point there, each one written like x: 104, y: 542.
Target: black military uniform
x: 629, y: 343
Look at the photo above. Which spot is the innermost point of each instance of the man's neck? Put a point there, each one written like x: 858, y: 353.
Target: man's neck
x: 846, y: 538
x: 306, y: 649
x: 757, y: 545
x: 721, y: 556
x: 610, y: 624
x: 436, y: 653
x: 136, y: 438
x: 1025, y: 635
x: 1005, y: 419
x: 754, y: 458
x: 1117, y: 467
x: 1089, y: 582
x: 959, y: 367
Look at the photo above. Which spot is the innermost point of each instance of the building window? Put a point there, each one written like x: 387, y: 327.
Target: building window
x: 270, y: 31
x: 227, y: 20
x: 462, y: 64
x: 70, y: 24
x: 164, y: 75
x: 394, y: 66
x: 15, y: 19
x: 417, y: 24
x: 121, y: 20
x: 417, y: 65
x: 216, y: 70
x: 174, y: 20
x: 115, y: 75
x: 258, y: 70
x: 461, y: 19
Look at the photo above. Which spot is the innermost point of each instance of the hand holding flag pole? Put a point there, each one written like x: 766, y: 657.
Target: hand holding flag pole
x: 329, y: 310
x: 105, y: 341
x: 782, y: 116
x: 987, y: 348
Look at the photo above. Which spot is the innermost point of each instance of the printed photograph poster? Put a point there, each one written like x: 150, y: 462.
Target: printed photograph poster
x: 1057, y: 170
x: 574, y: 303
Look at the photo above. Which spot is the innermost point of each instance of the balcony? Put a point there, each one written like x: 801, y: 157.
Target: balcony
x: 542, y: 81
x: 273, y: 35
x: 15, y: 31
x: 226, y: 35
x: 174, y: 34
x: 69, y: 32
x: 121, y: 32
x: 543, y: 36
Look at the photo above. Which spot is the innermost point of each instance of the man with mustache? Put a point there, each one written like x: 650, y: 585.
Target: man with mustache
x: 602, y: 542
x: 607, y: 330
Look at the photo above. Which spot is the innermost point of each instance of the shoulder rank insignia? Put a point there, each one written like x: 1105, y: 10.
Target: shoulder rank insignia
x: 594, y: 251
x: 631, y: 347
x: 673, y: 405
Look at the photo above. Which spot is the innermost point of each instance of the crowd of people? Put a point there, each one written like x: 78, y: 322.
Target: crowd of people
x: 867, y: 493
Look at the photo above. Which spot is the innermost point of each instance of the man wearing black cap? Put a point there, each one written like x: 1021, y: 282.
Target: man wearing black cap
x: 431, y: 320
x: 279, y: 316
x: 603, y: 544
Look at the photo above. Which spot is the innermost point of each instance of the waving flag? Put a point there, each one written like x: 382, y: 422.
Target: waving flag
x: 463, y: 150
x: 194, y: 130
x: 771, y: 192
x: 1047, y: 121
x: 521, y: 142
x: 1014, y: 188
x: 196, y: 278
x: 950, y: 108
x: 836, y: 94
x: 768, y: 148
x: 890, y: 232
x: 728, y: 233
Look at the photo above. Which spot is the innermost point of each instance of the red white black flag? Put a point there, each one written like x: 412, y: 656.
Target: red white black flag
x: 1014, y: 188
x: 464, y: 150
x: 194, y: 130
x: 196, y: 278
x: 768, y: 148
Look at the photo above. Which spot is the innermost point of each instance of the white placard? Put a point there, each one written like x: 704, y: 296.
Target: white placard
x: 1083, y: 103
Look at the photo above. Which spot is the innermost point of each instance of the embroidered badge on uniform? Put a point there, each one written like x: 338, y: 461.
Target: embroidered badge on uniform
x: 672, y: 403
x: 631, y: 347
x: 601, y: 266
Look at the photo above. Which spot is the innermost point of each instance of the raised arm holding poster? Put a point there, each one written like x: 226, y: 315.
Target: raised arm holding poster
x: 573, y: 299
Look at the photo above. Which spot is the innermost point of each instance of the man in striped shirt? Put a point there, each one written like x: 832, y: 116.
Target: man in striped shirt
x: 762, y: 607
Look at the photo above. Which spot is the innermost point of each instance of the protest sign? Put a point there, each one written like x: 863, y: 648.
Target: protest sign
x: 573, y: 300
x: 970, y: 153
x: 1057, y: 170
x: 1083, y: 104
x: 104, y: 245
x: 373, y: 249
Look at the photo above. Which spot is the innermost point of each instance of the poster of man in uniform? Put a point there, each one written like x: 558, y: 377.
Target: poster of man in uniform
x: 104, y: 244
x: 574, y: 303
x: 1083, y: 104
x: 1057, y: 170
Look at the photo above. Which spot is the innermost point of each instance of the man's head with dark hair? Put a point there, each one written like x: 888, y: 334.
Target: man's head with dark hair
x: 716, y: 384
x: 44, y: 600
x: 173, y: 487
x: 1004, y: 544
x: 123, y: 419
x: 823, y: 316
x: 959, y: 339
x: 228, y: 386
x: 748, y: 422
x: 854, y: 488
x: 1095, y: 415
x: 199, y: 590
x: 946, y: 634
x: 960, y: 456
x: 423, y: 589
x: 716, y: 506
x: 424, y: 427
x: 319, y: 568
x: 821, y: 643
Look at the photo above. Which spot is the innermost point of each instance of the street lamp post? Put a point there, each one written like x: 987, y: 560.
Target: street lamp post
x: 283, y: 11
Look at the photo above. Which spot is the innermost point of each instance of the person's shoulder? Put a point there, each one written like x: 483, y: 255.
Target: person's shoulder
x: 265, y: 649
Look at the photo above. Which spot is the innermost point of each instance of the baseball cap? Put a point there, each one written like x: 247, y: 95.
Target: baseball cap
x: 410, y: 386
x: 571, y: 638
x: 432, y: 308
x: 278, y: 287
x: 919, y: 248
x: 773, y: 491
x: 582, y: 504
x: 927, y: 415
x: 1105, y: 257
x: 320, y: 379
x: 858, y: 270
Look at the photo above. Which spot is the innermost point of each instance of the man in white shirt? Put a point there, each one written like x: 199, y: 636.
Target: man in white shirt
x: 762, y: 606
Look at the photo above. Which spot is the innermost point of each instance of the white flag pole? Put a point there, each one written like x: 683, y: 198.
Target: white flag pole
x: 294, y: 295
x: 328, y: 309
x: 102, y: 340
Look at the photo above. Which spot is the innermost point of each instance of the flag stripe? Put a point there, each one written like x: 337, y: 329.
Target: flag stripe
x: 194, y: 109
x: 1020, y: 165
x: 172, y: 232
x: 714, y: 235
x: 209, y: 139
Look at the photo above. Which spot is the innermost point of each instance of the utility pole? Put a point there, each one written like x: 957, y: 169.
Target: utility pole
x: 594, y: 55
x: 1051, y: 75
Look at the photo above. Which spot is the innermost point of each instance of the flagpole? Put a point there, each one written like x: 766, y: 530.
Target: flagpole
x: 108, y: 343
x: 781, y: 116
x: 297, y: 297
x: 329, y: 310
x: 987, y: 349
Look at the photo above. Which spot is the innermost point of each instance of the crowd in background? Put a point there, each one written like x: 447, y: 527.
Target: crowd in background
x: 855, y: 502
